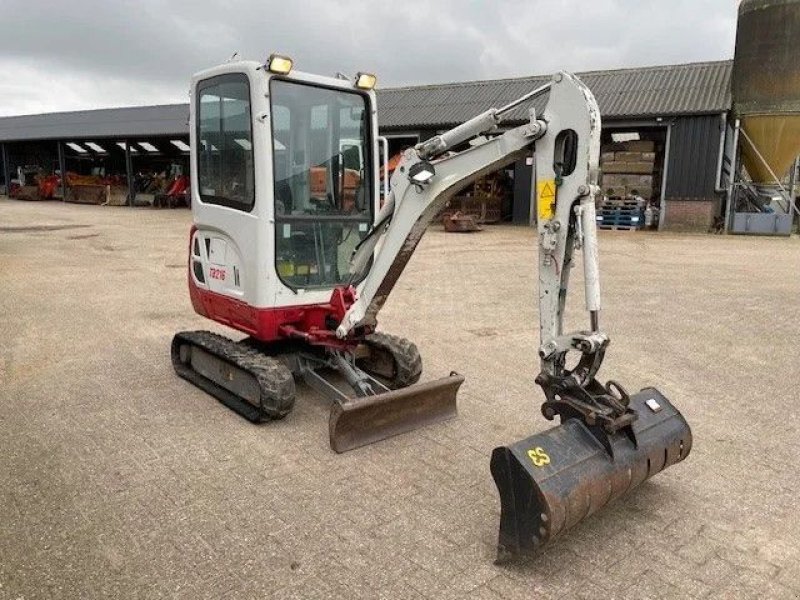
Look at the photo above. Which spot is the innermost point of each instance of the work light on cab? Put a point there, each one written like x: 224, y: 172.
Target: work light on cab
x: 277, y: 63
x: 366, y: 81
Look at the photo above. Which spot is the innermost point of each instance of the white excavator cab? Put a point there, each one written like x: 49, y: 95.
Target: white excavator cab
x: 284, y: 189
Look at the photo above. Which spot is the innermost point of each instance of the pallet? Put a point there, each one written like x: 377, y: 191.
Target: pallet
x: 632, y: 227
x: 620, y: 227
x: 615, y: 202
x: 627, y: 223
x: 619, y: 211
x: 631, y: 217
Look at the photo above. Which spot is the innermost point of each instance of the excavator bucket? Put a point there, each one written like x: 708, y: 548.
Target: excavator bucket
x: 365, y: 420
x: 551, y: 481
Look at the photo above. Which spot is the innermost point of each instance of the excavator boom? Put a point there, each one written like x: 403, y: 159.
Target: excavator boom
x: 608, y: 442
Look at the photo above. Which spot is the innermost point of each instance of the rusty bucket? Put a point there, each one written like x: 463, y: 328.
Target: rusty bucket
x: 552, y: 481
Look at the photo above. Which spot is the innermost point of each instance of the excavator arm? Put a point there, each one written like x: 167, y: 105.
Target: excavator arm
x: 566, y: 139
x: 608, y: 442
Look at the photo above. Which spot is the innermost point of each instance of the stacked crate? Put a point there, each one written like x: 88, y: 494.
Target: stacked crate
x: 627, y: 183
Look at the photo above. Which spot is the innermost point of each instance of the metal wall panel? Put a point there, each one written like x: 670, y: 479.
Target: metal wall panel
x: 693, y: 157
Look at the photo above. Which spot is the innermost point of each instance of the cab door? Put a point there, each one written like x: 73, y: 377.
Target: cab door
x: 225, y: 195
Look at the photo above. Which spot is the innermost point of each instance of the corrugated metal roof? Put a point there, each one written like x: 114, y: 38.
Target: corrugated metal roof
x: 696, y: 88
x: 167, y: 119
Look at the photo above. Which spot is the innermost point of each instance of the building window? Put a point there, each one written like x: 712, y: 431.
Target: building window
x: 224, y: 146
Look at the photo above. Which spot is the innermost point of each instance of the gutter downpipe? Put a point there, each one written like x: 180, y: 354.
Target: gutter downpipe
x: 718, y: 184
x: 662, y: 213
x: 734, y: 170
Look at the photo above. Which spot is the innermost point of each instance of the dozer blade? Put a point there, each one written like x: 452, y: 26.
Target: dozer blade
x: 365, y: 420
x: 551, y: 481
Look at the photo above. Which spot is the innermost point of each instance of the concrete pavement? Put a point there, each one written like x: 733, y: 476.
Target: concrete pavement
x: 119, y: 480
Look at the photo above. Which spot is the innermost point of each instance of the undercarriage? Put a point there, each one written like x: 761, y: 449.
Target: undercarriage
x: 373, y: 388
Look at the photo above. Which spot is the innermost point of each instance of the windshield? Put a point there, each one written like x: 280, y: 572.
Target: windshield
x: 323, y: 181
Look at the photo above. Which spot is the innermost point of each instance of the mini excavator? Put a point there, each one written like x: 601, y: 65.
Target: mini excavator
x: 292, y: 246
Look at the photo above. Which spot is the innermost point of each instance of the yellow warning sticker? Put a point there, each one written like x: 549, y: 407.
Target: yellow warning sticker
x: 538, y: 457
x: 546, y: 198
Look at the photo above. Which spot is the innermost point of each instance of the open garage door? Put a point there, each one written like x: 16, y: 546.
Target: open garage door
x: 160, y: 171
x: 95, y: 172
x: 632, y: 163
x: 31, y: 170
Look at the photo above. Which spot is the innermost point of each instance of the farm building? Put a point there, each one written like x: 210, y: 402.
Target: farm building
x: 663, y: 138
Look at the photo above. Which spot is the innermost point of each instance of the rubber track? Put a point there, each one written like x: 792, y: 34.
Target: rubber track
x: 407, y: 360
x: 275, y: 381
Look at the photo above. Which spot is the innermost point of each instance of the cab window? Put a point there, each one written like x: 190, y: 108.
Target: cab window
x: 323, y: 181
x: 225, y: 142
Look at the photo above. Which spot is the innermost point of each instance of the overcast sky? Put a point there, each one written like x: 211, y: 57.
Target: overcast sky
x: 100, y: 53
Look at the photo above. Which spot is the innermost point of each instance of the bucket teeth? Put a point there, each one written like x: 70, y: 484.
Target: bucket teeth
x: 552, y: 481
